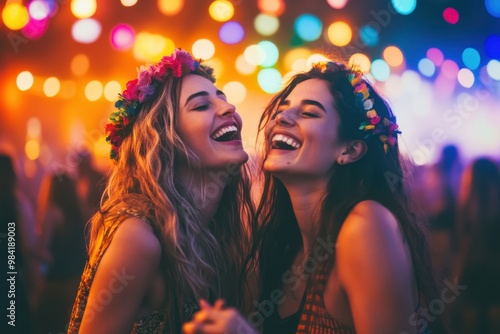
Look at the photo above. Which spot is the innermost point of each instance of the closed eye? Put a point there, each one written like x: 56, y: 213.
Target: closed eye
x: 310, y: 114
x: 202, y: 107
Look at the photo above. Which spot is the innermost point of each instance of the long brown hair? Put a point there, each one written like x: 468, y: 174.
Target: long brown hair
x: 197, y: 259
x: 377, y: 176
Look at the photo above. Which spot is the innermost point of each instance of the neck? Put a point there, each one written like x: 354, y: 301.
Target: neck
x: 306, y: 196
x: 205, y: 191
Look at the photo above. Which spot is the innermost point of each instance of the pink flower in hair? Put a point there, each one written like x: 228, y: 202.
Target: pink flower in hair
x: 132, y: 91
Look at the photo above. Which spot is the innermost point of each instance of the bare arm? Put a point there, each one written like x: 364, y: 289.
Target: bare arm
x: 122, y: 279
x: 375, y: 270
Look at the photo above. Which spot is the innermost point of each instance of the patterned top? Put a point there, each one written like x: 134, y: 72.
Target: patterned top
x: 154, y: 322
x: 316, y: 319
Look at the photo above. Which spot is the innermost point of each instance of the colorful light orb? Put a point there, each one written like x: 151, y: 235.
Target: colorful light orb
x: 128, y: 3
x: 493, y: 69
x: 270, y: 80
x: 339, y: 33
x: 266, y: 25
x: 170, y: 7
x: 35, y: 28
x: 122, y: 37
x: 33, y: 128
x: 271, y: 51
x: 39, y: 10
x: 93, y: 90
x: 465, y: 77
x: 243, y: 66
x: 32, y: 149
x: 435, y: 55
x: 393, y: 56
x: 308, y: 27
x: 24, y: 80
x: 492, y: 46
x: 221, y: 10
x: 492, y: 7
x: 337, y: 4
x: 426, y: 67
x: 80, y: 64
x: 255, y: 54
x: 235, y: 92
x: 203, y: 48
x: 83, y: 9
x: 471, y: 58
x: 369, y: 35
x: 51, y: 86
x: 15, y: 16
x: 294, y: 55
x: 86, y: 31
x: 360, y: 61
x: 231, y: 32
x: 152, y: 47
x: 271, y: 7
x: 315, y: 58
x: 451, y: 15
x: 404, y: 7
x: 380, y: 70
x: 449, y: 69
x: 111, y: 91
x: 411, y: 81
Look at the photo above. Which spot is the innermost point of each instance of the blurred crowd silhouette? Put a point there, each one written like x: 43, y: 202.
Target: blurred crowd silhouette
x: 460, y: 203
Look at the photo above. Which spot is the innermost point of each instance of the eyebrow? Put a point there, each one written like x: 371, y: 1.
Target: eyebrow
x: 202, y: 93
x: 305, y: 102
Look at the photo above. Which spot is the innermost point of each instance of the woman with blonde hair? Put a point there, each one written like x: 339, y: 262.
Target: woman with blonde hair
x: 171, y: 225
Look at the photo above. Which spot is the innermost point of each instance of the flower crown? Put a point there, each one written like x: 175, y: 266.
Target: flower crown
x: 140, y: 90
x: 385, y: 128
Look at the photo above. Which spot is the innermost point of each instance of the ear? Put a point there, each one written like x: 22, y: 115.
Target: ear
x: 354, y: 151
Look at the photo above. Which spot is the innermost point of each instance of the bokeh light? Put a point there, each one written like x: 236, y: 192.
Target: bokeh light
x: 83, y: 9
x: 243, y: 66
x: 471, y: 58
x: 492, y: 46
x: 465, y: 77
x: 360, y: 61
x: 15, y: 16
x: 235, y: 92
x: 86, y: 31
x: 294, y: 55
x: 111, y: 91
x: 339, y: 33
x: 271, y: 51
x: 93, y: 90
x: 255, y: 54
x: 449, y: 69
x: 39, y: 10
x: 404, y: 7
x: 35, y: 28
x: 308, y: 27
x: 492, y: 7
x: 411, y: 81
x: 203, y: 48
x: 315, y: 58
x: 221, y: 10
x: 231, y: 32
x: 170, y: 7
x: 51, y: 86
x: 24, y: 80
x: 270, y: 80
x: 337, y: 4
x: 122, y: 37
x: 393, y: 56
x: 32, y: 149
x: 271, y: 7
x: 80, y: 64
x: 369, y: 35
x: 266, y: 25
x: 33, y: 128
x: 493, y: 69
x: 380, y: 70
x: 151, y: 47
x: 426, y: 67
x: 435, y: 55
x: 128, y: 3
x: 451, y: 15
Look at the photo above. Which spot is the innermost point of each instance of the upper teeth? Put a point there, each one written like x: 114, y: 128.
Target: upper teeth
x: 290, y: 141
x: 226, y: 129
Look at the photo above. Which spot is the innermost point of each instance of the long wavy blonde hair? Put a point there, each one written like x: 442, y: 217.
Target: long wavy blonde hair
x: 200, y: 261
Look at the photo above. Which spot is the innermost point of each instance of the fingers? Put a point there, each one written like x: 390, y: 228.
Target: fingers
x: 219, y: 304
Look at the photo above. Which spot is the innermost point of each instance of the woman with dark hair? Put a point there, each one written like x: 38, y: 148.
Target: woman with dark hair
x: 477, y: 266
x: 340, y: 249
x: 171, y: 225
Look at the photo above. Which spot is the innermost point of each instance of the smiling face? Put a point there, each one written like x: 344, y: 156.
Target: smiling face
x: 209, y: 125
x: 302, y: 134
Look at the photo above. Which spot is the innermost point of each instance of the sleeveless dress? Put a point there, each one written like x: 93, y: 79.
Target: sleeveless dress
x: 155, y: 322
x: 313, y: 317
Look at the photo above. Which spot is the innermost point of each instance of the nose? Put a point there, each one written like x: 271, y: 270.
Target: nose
x: 226, y: 109
x: 285, y: 119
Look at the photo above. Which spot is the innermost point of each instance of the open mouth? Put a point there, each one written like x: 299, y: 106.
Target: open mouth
x: 282, y: 142
x: 227, y: 133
